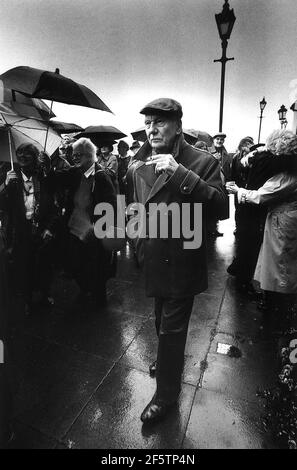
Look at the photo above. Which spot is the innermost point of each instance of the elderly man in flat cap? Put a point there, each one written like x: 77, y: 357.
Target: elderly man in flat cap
x: 172, y: 171
x: 219, y: 151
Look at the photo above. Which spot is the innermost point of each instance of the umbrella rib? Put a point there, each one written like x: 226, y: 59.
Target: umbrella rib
x: 15, y: 126
x: 28, y: 137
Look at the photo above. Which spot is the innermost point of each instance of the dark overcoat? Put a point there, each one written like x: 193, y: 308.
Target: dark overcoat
x: 12, y: 207
x: 171, y: 270
x: 102, y: 191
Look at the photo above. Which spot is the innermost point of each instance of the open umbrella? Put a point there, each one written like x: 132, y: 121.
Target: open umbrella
x: 14, y: 102
x: 16, y: 130
x: 101, y: 134
x: 192, y: 135
x: 37, y: 83
x: 139, y: 134
x: 65, y: 127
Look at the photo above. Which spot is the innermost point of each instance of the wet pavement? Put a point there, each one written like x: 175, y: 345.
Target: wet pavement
x: 81, y: 376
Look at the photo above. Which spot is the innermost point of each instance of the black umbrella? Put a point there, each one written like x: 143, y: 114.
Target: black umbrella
x: 52, y: 86
x: 99, y: 134
x: 65, y: 127
x: 192, y: 135
x: 139, y: 134
x: 16, y: 103
x: 37, y: 83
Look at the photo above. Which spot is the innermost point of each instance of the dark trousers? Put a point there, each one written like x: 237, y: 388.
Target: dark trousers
x: 5, y: 372
x: 250, y: 228
x: 32, y: 263
x: 172, y: 320
x: 87, y: 265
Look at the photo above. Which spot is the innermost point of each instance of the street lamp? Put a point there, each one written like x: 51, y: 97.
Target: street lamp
x: 225, y: 22
x: 263, y: 103
x: 282, y: 113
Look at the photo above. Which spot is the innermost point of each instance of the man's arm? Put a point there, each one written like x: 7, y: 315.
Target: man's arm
x: 208, y: 189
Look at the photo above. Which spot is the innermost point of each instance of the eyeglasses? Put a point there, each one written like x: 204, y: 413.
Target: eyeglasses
x: 157, y: 122
x: 77, y: 155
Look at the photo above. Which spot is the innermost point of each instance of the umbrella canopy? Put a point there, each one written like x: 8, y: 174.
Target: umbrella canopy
x: 101, y: 134
x: 139, y: 134
x: 65, y: 127
x: 16, y: 130
x: 14, y: 102
x: 192, y: 135
x: 37, y: 83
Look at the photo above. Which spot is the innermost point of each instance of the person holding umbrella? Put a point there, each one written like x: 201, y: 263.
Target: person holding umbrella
x: 29, y: 222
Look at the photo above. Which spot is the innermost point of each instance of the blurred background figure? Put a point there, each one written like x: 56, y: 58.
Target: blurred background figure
x: 109, y: 163
x: 200, y: 144
x: 219, y: 151
x: 135, y: 147
x: 238, y: 171
x: 123, y: 163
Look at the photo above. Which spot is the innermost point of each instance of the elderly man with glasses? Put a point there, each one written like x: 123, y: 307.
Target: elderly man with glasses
x: 88, y: 185
x: 171, y: 171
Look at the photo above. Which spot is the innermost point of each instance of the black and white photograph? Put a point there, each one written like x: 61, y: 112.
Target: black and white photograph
x: 148, y: 227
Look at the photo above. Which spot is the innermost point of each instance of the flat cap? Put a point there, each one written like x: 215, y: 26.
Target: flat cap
x: 166, y: 106
x: 220, y: 134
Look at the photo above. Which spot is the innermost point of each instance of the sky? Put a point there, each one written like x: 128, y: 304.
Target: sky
x: 130, y: 52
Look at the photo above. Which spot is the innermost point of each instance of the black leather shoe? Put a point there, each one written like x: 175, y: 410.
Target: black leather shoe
x: 155, y: 411
x: 153, y: 368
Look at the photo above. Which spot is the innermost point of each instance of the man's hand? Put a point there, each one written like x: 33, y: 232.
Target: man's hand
x: 232, y: 187
x: 164, y: 163
x: 10, y: 176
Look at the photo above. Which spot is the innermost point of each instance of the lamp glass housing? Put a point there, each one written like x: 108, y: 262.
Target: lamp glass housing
x: 263, y: 103
x: 282, y: 112
x: 225, y: 22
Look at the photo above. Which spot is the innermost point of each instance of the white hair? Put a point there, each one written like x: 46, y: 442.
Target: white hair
x: 86, y: 145
x: 282, y: 142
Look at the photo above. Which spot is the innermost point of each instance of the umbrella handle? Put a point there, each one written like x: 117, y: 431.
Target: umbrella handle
x: 10, y: 150
x: 47, y: 129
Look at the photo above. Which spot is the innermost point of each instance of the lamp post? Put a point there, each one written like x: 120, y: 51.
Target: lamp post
x: 263, y: 103
x: 282, y: 113
x: 225, y: 22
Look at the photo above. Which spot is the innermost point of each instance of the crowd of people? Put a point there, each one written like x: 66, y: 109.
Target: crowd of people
x: 48, y: 215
